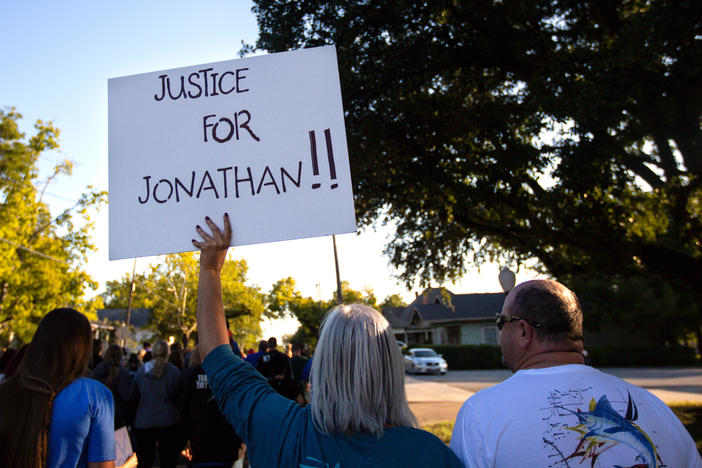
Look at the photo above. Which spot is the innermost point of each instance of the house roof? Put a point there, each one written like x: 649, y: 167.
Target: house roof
x: 139, y: 318
x: 441, y: 305
x: 393, y: 314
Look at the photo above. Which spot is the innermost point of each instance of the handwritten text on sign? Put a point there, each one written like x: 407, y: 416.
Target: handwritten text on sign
x: 261, y: 138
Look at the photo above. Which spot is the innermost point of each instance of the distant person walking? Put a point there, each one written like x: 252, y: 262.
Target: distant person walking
x: 213, y: 442
x: 264, y: 365
x: 253, y: 358
x: 156, y: 419
x: 121, y: 384
x: 281, y: 380
x: 298, y: 363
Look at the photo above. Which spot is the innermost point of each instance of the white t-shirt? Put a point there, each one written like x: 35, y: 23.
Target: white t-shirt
x: 570, y: 416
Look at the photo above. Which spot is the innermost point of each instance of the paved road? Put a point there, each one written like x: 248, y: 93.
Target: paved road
x: 670, y: 384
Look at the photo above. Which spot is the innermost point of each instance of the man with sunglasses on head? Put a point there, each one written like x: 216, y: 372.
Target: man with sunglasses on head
x: 555, y: 411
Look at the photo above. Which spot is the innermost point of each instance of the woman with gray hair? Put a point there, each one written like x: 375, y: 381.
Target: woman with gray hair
x: 358, y: 415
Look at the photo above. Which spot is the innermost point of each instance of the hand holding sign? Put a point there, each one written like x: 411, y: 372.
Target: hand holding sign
x: 240, y: 137
x: 214, y: 247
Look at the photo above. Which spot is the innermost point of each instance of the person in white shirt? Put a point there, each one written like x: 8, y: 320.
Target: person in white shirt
x: 557, y: 412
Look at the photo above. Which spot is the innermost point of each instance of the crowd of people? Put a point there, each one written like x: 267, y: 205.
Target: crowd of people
x: 65, y: 403
x: 161, y: 401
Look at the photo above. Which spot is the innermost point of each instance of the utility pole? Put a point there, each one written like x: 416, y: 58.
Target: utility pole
x: 131, y: 293
x: 339, y: 297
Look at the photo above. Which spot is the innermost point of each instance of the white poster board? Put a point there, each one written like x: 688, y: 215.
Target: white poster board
x: 260, y: 138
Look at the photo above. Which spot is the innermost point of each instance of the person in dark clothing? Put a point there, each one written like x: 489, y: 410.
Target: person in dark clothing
x: 177, y: 356
x: 281, y: 380
x: 133, y: 364
x: 213, y: 442
x: 298, y: 363
x: 120, y: 383
x: 264, y: 362
x: 253, y: 358
x: 97, y: 354
x: 145, y: 354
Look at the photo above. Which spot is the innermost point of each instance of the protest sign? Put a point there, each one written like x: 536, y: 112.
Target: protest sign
x: 260, y: 138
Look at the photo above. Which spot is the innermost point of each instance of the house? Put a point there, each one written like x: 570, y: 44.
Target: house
x: 138, y: 323
x: 438, y: 316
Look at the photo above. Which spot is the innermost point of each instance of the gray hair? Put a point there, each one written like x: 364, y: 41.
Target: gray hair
x: 358, y: 381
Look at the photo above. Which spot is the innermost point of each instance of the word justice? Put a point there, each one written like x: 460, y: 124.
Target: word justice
x: 202, y: 83
x: 225, y: 182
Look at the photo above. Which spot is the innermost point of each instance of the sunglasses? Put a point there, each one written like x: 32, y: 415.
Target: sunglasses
x: 501, y: 319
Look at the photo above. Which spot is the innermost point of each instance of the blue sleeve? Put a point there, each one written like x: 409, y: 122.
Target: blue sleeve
x: 271, y: 425
x: 101, y: 438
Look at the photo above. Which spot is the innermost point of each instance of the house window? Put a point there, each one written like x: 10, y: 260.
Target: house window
x: 489, y: 335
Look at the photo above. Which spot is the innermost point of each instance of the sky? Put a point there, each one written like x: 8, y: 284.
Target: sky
x: 55, y: 60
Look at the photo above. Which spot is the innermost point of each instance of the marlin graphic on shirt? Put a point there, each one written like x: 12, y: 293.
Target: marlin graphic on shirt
x: 603, y: 425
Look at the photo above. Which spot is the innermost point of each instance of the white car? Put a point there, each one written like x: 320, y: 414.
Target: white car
x: 425, y: 360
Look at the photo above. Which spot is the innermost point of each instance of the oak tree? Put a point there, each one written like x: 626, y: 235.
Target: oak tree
x: 566, y: 131
x: 169, y: 289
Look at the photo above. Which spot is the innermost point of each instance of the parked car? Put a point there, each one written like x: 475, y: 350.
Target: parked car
x: 424, y: 360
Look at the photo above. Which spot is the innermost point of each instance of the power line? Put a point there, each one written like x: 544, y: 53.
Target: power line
x: 61, y: 197
x: 34, y: 251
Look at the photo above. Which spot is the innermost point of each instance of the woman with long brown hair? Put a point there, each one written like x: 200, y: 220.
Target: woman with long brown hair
x: 50, y: 414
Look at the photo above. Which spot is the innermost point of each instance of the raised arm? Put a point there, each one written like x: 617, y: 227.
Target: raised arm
x: 211, y: 327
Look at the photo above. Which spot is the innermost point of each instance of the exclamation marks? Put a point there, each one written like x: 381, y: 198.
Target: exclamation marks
x: 330, y: 156
x: 313, y: 151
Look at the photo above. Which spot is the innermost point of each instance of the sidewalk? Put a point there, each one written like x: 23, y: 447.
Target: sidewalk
x: 434, y: 401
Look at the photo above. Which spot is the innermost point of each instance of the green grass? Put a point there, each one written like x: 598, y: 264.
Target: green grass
x: 441, y: 430
x: 689, y: 413
x: 691, y: 416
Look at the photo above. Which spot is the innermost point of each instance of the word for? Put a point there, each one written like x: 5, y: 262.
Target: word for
x: 229, y: 129
x: 242, y: 178
x: 203, y: 84
x: 330, y: 157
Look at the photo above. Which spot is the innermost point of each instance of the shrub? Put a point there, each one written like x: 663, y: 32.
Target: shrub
x: 466, y: 357
x: 641, y: 356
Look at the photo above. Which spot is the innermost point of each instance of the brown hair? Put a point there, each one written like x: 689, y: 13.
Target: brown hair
x: 58, y: 354
x: 113, y: 356
x: 160, y: 353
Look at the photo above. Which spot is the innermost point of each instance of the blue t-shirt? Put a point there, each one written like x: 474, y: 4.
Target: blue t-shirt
x: 279, y: 432
x: 82, y: 425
